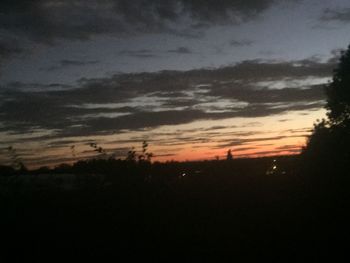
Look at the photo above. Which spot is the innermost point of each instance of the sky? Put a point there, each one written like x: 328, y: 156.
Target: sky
x: 193, y: 78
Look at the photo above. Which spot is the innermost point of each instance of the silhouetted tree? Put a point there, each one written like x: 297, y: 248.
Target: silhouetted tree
x: 328, y: 147
x: 97, y: 148
x: 17, y: 163
x: 131, y: 155
x: 338, y: 92
x: 145, y: 156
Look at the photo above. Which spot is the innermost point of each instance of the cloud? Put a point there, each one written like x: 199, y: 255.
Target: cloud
x: 225, y: 10
x: 288, y: 147
x: 9, y: 48
x: 271, y: 153
x: 13, y: 87
x: 65, y: 63
x: 340, y: 15
x: 180, y: 50
x: 244, y: 141
x: 49, y: 20
x: 241, y: 43
x: 142, y: 53
x: 68, y: 62
x: 240, y: 149
x: 148, y: 100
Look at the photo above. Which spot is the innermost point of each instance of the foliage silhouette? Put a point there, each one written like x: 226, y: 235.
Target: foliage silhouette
x: 338, y: 92
x: 328, y: 147
x: 17, y: 163
x: 98, y: 149
x: 143, y: 157
x: 131, y: 155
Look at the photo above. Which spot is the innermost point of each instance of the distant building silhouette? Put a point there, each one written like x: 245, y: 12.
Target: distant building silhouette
x: 229, y: 155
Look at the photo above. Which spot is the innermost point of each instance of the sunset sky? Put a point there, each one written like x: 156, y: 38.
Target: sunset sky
x: 193, y: 78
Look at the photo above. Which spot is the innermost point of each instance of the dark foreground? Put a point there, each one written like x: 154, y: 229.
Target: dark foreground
x: 189, y: 211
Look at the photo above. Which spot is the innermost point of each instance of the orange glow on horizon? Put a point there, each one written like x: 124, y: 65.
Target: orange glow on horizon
x: 247, y: 138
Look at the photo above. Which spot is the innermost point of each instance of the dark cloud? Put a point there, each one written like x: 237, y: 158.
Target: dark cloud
x: 180, y: 50
x: 60, y: 143
x: 173, y: 83
x: 45, y: 21
x: 275, y: 97
x: 213, y: 128
x: 241, y: 43
x: 142, y: 53
x: 272, y: 152
x: 340, y: 15
x: 288, y: 147
x: 13, y: 87
x: 9, y: 48
x: 248, y: 141
x: 255, y: 69
x: 36, y: 162
x: 240, y: 149
x: 302, y: 130
x: 68, y: 63
x: 225, y: 10
x: 48, y: 20
x: 148, y: 100
x: 165, y: 155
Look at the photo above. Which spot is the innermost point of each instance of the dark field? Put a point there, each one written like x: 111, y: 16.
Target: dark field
x: 199, y: 209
